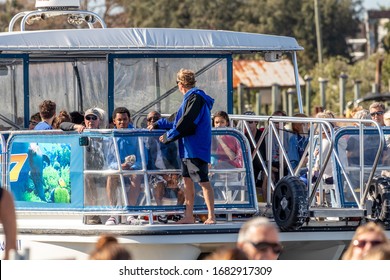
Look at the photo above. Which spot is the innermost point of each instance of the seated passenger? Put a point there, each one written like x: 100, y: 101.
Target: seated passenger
x: 94, y: 157
x: 377, y: 110
x: 370, y: 147
x: 371, y: 144
x: 34, y: 120
x: 298, y: 141
x: 256, y: 133
x: 47, y: 111
x: 163, y: 156
x: 386, y: 118
x: 63, y: 116
x: 128, y: 149
x: 276, y: 152
x: 320, y: 155
x: 228, y: 153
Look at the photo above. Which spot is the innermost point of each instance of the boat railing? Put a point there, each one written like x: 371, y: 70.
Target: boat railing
x: 55, y: 171
x: 74, y: 17
x: 276, y: 136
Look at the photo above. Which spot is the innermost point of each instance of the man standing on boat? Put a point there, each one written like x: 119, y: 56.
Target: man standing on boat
x: 192, y: 128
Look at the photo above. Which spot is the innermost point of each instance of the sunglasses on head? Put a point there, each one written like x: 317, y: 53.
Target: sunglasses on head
x: 379, y: 113
x: 263, y: 247
x: 153, y: 119
x: 362, y: 243
x: 91, y: 118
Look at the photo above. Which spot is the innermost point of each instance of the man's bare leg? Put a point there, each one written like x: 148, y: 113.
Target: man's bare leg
x: 159, y: 193
x: 111, y: 190
x: 180, y: 197
x: 189, y: 194
x: 208, y: 193
x: 135, y: 190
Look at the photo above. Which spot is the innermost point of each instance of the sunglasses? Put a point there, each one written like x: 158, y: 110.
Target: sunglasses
x: 379, y: 113
x: 33, y: 123
x: 263, y: 247
x: 362, y: 243
x: 177, y: 82
x: 91, y: 118
x: 250, y: 122
x: 152, y: 119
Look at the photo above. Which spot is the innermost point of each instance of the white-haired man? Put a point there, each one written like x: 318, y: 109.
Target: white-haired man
x: 259, y: 239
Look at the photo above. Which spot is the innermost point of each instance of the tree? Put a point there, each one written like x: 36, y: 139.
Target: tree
x: 340, y: 19
x: 11, y: 8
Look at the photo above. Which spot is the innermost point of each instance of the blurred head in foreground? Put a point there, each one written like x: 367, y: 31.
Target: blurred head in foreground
x: 108, y: 248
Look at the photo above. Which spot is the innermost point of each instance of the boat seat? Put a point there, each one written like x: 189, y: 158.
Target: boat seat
x: 230, y: 187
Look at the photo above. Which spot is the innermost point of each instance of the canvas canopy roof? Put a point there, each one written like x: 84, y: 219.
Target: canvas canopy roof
x: 143, y: 40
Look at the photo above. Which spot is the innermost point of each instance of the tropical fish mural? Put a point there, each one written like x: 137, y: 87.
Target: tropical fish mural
x: 40, y: 172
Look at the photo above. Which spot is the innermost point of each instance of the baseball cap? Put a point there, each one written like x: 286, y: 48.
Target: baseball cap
x: 93, y: 111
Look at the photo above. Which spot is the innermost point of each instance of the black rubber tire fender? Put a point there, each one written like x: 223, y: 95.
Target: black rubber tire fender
x: 290, y: 203
x: 384, y: 214
x: 382, y: 195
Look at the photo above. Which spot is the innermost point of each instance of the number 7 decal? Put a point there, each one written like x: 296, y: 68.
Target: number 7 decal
x: 19, y: 160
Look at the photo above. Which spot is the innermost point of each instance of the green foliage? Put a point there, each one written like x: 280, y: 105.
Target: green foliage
x: 386, y: 73
x: 386, y: 39
x: 11, y: 8
x: 363, y: 71
x: 340, y: 19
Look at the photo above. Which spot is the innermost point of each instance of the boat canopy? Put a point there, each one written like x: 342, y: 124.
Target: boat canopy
x: 136, y: 40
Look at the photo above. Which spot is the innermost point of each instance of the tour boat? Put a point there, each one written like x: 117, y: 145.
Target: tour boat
x: 95, y: 66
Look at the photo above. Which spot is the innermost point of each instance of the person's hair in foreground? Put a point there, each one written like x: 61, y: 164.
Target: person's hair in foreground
x: 367, y: 237
x: 259, y: 239
x: 108, y: 248
x: 227, y: 253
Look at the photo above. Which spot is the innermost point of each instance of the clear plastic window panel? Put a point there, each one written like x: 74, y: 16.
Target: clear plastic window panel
x: 81, y: 84
x: 139, y: 82
x: 359, y: 154
x: 11, y: 93
x: 227, y: 175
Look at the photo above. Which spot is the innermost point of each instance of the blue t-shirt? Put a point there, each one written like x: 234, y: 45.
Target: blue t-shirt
x: 43, y: 126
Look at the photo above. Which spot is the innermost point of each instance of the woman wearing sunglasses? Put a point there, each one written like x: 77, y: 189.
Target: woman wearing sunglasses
x: 366, y: 237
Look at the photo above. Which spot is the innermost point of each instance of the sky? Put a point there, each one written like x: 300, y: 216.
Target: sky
x: 375, y: 4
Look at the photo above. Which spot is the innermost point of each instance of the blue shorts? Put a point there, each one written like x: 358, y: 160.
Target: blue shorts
x: 196, y: 169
